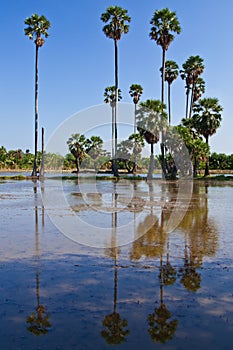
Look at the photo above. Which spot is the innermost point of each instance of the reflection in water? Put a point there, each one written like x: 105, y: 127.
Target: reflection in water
x: 39, y: 320
x: 115, y: 328
x: 201, y: 238
x: 187, y: 301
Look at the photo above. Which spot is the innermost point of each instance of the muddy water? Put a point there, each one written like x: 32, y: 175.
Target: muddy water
x: 169, y: 286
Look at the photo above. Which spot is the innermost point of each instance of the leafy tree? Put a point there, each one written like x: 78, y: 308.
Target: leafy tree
x: 191, y: 71
x: 37, y: 26
x: 197, y: 148
x: 150, y: 116
x: 138, y: 144
x: 207, y: 119
x: 199, y: 89
x: 116, y: 20
x: 95, y: 149
x: 78, y: 146
x: 171, y: 73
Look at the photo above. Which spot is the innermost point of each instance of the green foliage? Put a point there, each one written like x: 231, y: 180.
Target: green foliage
x: 116, y: 19
x: 164, y: 23
x: 36, y: 27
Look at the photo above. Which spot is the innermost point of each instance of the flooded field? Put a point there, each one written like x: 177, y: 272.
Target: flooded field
x: 104, y: 265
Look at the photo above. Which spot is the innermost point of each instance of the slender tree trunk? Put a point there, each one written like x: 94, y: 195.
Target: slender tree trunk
x: 42, y: 155
x: 195, y: 167
x: 113, y: 132
x: 187, y: 102
x: 207, y: 172
x: 162, y: 146
x: 163, y: 74
x: 135, y: 130
x: 34, y: 171
x: 115, y: 167
x: 135, y: 112
x: 151, y: 165
x: 169, y: 104
x: 191, y: 101
x: 77, y: 163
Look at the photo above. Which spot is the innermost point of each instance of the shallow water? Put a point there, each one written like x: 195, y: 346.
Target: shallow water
x: 170, y: 287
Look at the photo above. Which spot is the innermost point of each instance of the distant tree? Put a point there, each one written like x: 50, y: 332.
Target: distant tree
x: 135, y: 92
x: 116, y: 20
x: 191, y: 71
x: 150, y: 116
x: 171, y: 73
x: 206, y: 120
x: 37, y: 26
x: 78, y: 146
x: 197, y: 148
x: 138, y: 144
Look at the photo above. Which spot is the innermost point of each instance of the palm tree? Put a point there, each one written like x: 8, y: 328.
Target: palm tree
x: 199, y: 89
x: 78, y: 146
x: 37, y: 27
x: 149, y: 120
x: 164, y: 23
x: 135, y: 92
x: 191, y: 71
x: 138, y: 144
x: 116, y: 19
x: 110, y: 97
x: 171, y: 73
x: 206, y: 120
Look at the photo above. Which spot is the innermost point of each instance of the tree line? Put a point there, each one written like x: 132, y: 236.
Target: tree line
x: 153, y: 118
x: 23, y: 160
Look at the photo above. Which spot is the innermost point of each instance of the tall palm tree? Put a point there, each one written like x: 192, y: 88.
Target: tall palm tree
x: 116, y: 20
x: 37, y: 27
x: 207, y: 119
x: 110, y: 97
x: 164, y: 22
x: 192, y: 69
x: 135, y: 92
x: 149, y: 120
x: 171, y: 73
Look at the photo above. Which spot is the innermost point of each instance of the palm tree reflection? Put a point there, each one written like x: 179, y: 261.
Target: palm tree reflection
x: 201, y: 238
x: 115, y: 328
x: 39, y: 320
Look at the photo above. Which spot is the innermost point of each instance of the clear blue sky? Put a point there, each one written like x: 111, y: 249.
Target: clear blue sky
x: 77, y: 61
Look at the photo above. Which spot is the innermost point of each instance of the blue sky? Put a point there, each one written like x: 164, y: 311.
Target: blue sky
x: 76, y: 62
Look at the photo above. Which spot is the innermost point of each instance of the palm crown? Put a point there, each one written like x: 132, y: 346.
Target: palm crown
x: 115, y: 17
x: 37, y: 26
x: 135, y: 91
x: 164, y: 23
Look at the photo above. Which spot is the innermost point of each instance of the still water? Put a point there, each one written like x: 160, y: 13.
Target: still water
x: 136, y: 265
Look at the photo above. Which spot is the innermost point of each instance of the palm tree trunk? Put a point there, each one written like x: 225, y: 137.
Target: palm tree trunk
x: 135, y: 130
x: 191, y: 101
x: 151, y: 165
x: 34, y: 171
x: 169, y: 104
x: 162, y: 100
x: 207, y: 172
x: 163, y: 75
x: 115, y: 168
x: 42, y: 154
x: 187, y: 102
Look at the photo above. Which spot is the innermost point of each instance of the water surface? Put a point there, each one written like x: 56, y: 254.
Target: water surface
x: 164, y: 289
